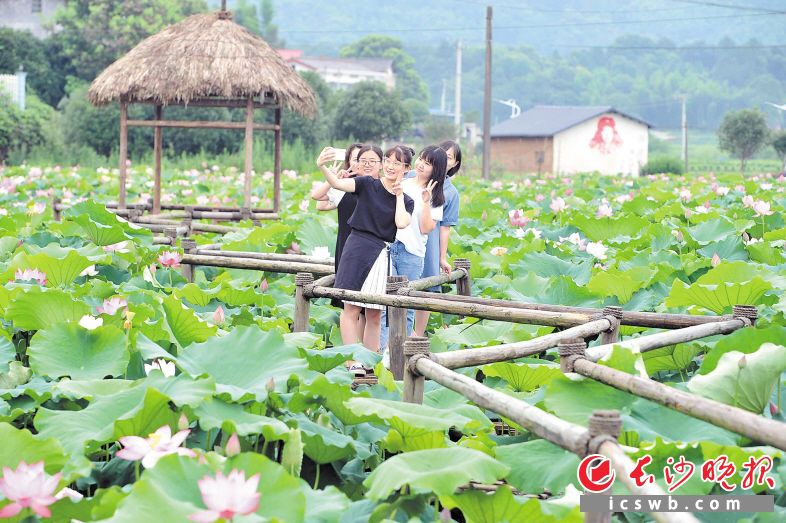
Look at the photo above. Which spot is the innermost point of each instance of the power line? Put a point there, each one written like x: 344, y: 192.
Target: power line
x: 536, y: 26
x: 481, y: 3
x: 730, y: 6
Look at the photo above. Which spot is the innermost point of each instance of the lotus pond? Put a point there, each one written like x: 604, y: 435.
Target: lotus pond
x: 128, y: 394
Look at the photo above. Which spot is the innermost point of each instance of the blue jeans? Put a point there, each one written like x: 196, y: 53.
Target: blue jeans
x: 404, y: 264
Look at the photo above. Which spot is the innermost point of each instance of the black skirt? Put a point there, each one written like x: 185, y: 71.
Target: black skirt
x: 361, y: 252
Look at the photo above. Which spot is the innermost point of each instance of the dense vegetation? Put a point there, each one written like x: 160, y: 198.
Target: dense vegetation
x: 104, y: 343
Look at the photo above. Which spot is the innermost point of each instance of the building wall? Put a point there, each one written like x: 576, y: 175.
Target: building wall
x: 22, y: 15
x: 610, y: 144
x: 345, y: 78
x: 521, y: 155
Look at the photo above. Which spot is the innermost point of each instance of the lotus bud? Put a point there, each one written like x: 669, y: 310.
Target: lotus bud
x: 292, y: 454
x: 264, y: 285
x: 218, y: 315
x: 271, y: 384
x: 773, y: 409
x: 182, y: 423
x: 129, y: 319
x: 715, y: 260
x: 444, y: 515
x: 743, y: 362
x: 324, y: 420
x: 483, y: 216
x: 746, y: 237
x: 233, y: 446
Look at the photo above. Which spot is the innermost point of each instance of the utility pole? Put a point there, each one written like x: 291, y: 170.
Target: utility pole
x: 443, y: 96
x: 487, y: 101
x: 684, y: 136
x: 457, y: 101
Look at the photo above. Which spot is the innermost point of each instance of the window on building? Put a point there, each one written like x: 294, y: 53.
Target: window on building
x: 36, y: 6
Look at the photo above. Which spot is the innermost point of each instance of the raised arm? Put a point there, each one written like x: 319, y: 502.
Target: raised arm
x: 319, y: 192
x: 427, y: 223
x: 403, y: 218
x: 325, y: 157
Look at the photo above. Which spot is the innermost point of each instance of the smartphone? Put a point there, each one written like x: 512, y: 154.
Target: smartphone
x: 339, y: 154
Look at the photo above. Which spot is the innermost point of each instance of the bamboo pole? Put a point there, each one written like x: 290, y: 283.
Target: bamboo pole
x: 414, y: 383
x: 302, y: 302
x: 567, y: 435
x: 463, y: 285
x: 613, y: 334
x: 255, y: 265
x: 163, y: 227
x: 397, y: 319
x: 249, y: 148
x: 123, y: 154
x: 299, y: 258
x: 199, y: 124
x: 485, y: 355
x: 325, y: 280
x: 640, y: 319
x: 554, y: 319
x: 750, y: 425
x: 277, y: 159
x: 162, y: 240
x: 664, y: 339
x: 209, y: 227
x: 189, y: 247
x: 157, y: 145
x: 433, y: 281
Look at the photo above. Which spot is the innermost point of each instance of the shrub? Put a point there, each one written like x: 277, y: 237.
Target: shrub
x: 663, y: 164
x: 22, y: 130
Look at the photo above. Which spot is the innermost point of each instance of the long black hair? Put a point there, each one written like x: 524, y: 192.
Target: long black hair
x: 448, y: 145
x: 366, y: 148
x: 348, y: 154
x: 438, y: 159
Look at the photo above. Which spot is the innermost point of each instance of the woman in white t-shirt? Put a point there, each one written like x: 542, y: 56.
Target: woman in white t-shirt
x: 409, y: 249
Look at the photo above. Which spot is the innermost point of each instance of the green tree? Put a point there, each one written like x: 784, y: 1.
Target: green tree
x: 22, y: 130
x: 408, y: 81
x: 269, y: 29
x: 778, y: 142
x: 22, y: 49
x: 311, y: 132
x: 742, y: 133
x: 370, y: 113
x: 95, y: 33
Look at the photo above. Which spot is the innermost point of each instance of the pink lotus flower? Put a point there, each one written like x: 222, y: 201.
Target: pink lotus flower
x: 499, y: 251
x: 715, y: 260
x: 233, y: 445
x: 496, y: 185
x: 685, y: 195
x: 747, y: 200
x: 28, y: 486
x: 762, y: 208
x: 218, y: 315
x: 30, y: 274
x: 604, y: 211
x: 557, y: 205
x: 111, y: 306
x: 227, y: 496
x: 169, y: 259
x: 89, y: 271
x: 157, y: 445
x: 116, y: 247
x: 539, y: 198
x: 721, y: 191
x: 517, y: 218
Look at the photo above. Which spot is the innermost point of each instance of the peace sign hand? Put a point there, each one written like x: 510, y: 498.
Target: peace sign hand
x: 428, y: 190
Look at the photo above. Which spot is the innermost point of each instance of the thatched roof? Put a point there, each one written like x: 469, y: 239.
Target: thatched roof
x: 203, y: 56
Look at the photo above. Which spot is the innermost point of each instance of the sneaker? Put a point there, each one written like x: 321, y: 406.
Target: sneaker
x: 386, y: 358
x: 358, y: 370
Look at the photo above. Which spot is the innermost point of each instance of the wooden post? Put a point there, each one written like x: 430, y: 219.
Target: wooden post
x: 157, y: 145
x: 302, y: 302
x: 613, y: 334
x: 277, y: 161
x: 189, y: 246
x: 397, y: 321
x: 463, y: 285
x: 604, y: 425
x: 414, y: 348
x: 249, y: 146
x: 121, y: 200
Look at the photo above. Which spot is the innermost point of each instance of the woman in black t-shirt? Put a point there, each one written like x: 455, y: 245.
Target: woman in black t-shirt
x: 382, y: 208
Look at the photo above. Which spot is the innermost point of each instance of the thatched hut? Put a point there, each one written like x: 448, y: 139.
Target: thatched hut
x: 206, y: 60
